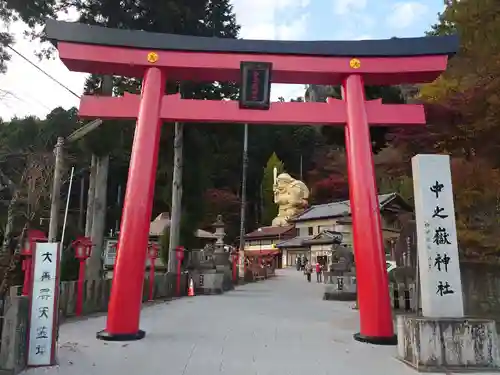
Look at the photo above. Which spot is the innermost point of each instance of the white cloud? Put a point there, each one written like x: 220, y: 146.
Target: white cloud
x: 406, y: 14
x: 294, y: 29
x: 259, y: 19
x: 27, y: 91
x: 342, y: 7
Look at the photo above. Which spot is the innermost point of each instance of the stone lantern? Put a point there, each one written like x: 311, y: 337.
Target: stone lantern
x: 221, y: 257
x: 219, y: 233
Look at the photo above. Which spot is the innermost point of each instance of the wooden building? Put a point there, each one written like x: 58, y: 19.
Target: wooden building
x: 319, y: 222
x: 262, y: 242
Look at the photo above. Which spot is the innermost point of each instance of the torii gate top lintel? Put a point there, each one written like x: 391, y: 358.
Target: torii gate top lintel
x: 101, y: 50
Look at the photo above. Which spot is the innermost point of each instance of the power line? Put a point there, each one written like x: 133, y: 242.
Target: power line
x: 13, y: 95
x: 23, y: 93
x: 44, y: 72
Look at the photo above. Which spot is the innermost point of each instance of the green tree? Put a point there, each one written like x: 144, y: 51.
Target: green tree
x: 335, y: 135
x: 26, y: 165
x: 269, y: 209
x: 31, y: 12
x: 212, y: 152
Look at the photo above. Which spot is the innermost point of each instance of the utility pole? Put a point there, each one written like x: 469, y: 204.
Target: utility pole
x: 81, y: 204
x: 56, y: 190
x: 58, y: 172
x: 90, y: 196
x: 244, y: 188
x: 301, y: 179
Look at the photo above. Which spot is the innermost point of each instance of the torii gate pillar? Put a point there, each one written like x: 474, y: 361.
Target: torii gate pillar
x: 373, y: 295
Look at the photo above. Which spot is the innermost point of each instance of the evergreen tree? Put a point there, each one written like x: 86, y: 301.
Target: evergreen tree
x: 335, y: 135
x: 31, y: 12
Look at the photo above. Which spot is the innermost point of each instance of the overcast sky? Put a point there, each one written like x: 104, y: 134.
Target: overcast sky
x: 32, y: 93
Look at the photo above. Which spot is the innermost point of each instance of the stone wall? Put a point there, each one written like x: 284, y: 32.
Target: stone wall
x: 97, y: 292
x: 13, y: 348
x: 481, y: 288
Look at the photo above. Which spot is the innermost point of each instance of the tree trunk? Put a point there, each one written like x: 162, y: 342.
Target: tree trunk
x: 9, y: 262
x: 175, y: 215
x: 94, y: 264
x: 6, y: 183
x: 98, y: 225
x: 9, y: 225
x: 90, y: 196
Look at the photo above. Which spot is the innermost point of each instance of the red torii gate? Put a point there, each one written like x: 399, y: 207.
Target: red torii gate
x: 156, y: 57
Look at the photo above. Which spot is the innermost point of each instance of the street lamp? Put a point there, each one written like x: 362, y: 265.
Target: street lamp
x: 83, y: 249
x: 153, y: 254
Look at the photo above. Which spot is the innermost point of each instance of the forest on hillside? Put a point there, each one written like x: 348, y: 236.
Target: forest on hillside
x: 462, y: 110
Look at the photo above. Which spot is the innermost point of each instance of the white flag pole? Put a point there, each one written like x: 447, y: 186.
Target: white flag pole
x: 67, y: 205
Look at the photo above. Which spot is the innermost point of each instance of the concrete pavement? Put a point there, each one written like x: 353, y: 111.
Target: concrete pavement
x: 279, y: 326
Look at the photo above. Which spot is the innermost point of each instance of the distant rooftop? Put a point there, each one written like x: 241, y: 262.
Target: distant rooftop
x: 162, y: 221
x: 269, y: 232
x: 343, y: 208
x: 293, y: 242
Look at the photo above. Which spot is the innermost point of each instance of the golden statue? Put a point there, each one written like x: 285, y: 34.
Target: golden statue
x: 291, y: 197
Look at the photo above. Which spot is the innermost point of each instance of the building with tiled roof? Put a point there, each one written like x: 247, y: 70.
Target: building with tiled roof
x: 319, y: 224
x: 263, y: 241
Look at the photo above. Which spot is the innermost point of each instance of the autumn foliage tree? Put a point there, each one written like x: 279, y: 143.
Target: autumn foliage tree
x: 463, y: 113
x: 477, y: 202
x: 328, y: 180
x: 469, y: 89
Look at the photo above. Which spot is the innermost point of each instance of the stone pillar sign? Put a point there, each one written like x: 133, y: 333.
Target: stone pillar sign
x: 42, y: 345
x: 442, y: 340
x: 437, y: 246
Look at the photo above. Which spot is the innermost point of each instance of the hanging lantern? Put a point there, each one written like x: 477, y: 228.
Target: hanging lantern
x: 82, y: 247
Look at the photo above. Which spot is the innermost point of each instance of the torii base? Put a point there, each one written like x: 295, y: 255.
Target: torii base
x: 448, y: 344
x: 106, y: 336
x: 376, y: 340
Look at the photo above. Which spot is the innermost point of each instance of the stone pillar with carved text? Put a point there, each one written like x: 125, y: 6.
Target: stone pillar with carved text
x: 442, y: 338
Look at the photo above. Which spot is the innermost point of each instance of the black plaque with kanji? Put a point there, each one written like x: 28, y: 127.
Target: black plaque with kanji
x: 255, y: 85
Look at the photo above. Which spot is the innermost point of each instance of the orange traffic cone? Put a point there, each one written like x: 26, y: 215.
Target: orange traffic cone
x: 191, y: 288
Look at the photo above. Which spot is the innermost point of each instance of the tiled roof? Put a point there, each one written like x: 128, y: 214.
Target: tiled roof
x: 335, y: 209
x: 269, y: 231
x: 158, y: 225
x: 325, y: 237
x: 293, y: 242
x: 200, y: 233
x: 162, y: 221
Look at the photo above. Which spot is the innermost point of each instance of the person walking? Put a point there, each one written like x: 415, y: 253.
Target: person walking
x: 309, y: 271
x: 319, y: 271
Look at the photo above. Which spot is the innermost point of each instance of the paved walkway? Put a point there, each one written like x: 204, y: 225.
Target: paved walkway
x: 279, y: 326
